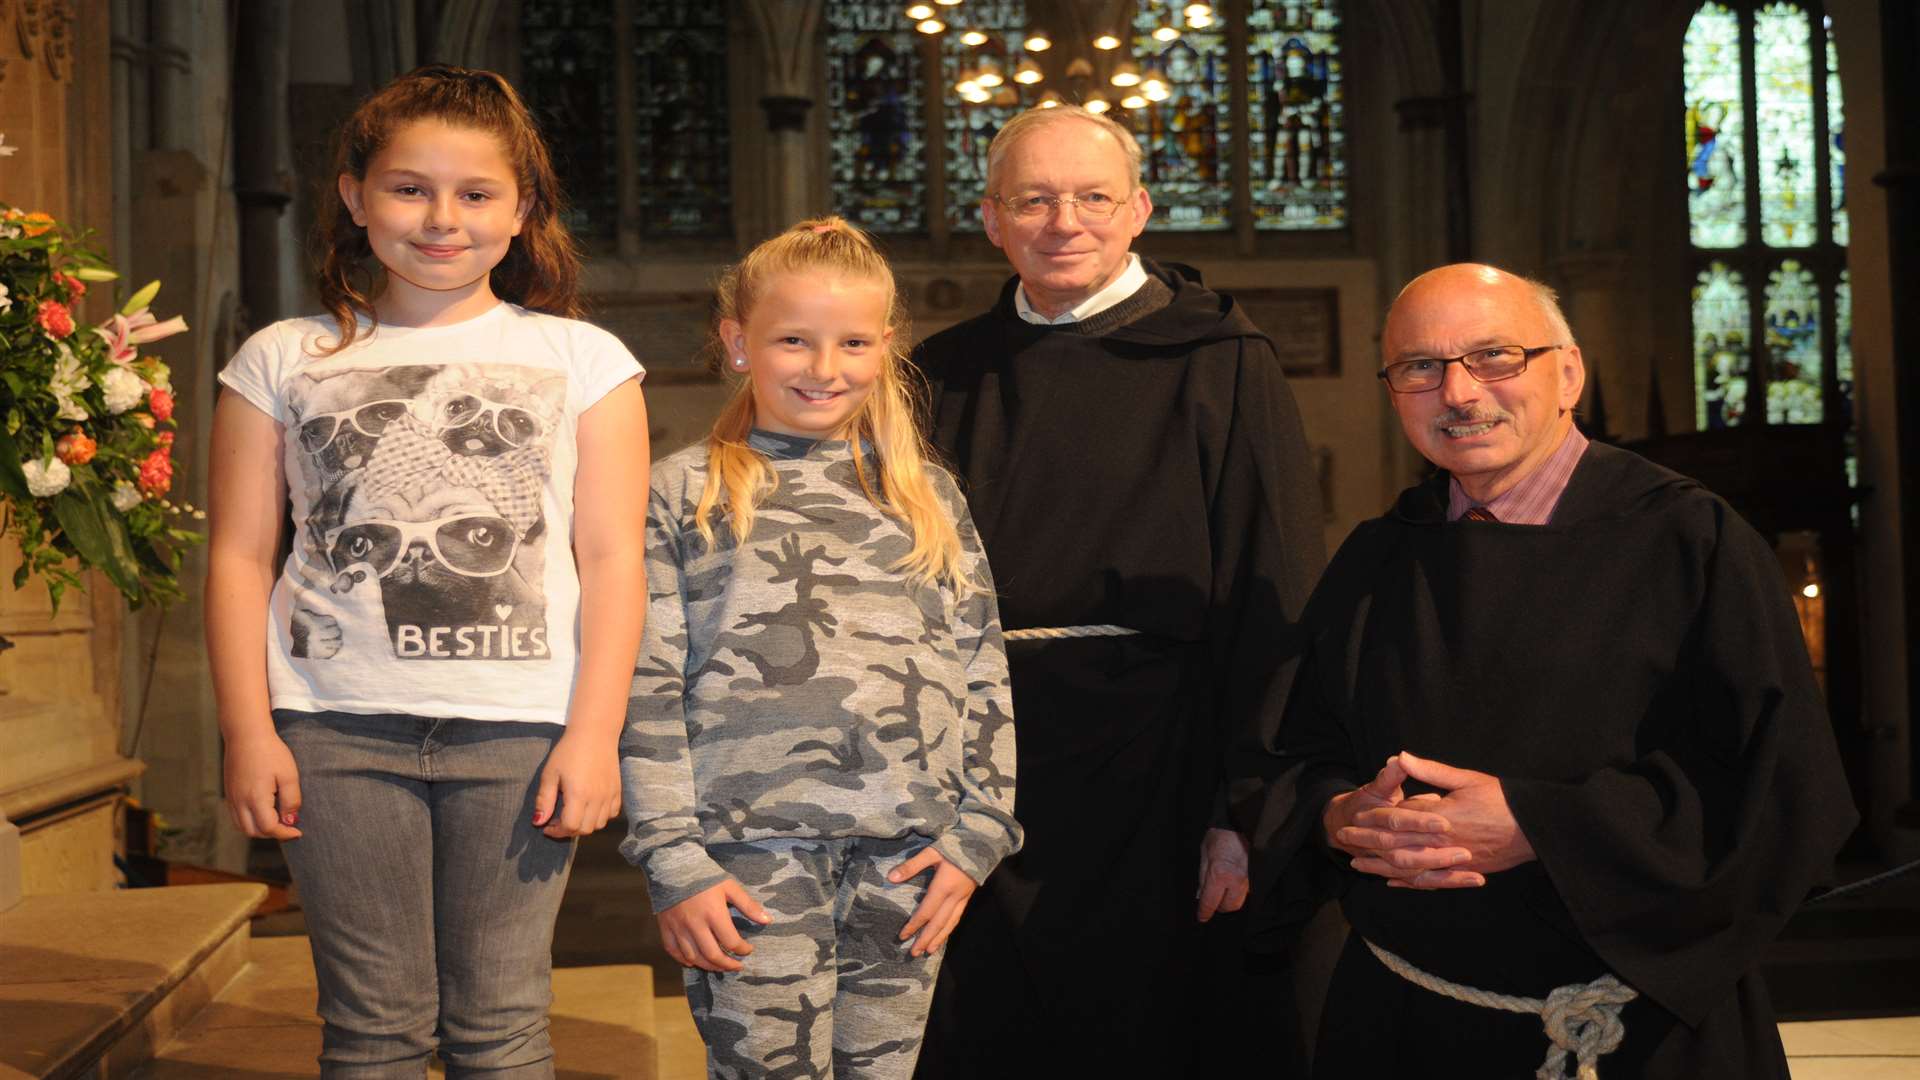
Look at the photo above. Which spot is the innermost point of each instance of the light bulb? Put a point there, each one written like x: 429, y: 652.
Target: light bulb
x: 1196, y: 11
x: 1812, y: 590
x: 920, y: 11
x: 1050, y: 100
x: 1038, y: 41
x: 930, y: 26
x: 1028, y: 72
x: 1166, y: 32
x: 989, y: 78
x: 973, y: 37
x: 1127, y: 74
x: 966, y: 86
x: 1106, y: 41
x: 1155, y: 91
x: 1097, y: 105
x: 1133, y: 101
x: 1199, y: 22
x: 946, y: 3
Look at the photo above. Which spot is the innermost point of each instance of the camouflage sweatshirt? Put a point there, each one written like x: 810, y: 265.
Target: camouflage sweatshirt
x: 796, y: 686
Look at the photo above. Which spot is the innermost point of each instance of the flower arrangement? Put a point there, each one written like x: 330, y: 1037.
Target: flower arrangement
x: 86, y: 446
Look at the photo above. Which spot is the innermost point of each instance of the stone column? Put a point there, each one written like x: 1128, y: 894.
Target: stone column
x: 1593, y: 295
x: 785, y: 32
x: 263, y: 180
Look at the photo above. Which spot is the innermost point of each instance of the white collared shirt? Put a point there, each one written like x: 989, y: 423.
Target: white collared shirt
x: 1126, y: 284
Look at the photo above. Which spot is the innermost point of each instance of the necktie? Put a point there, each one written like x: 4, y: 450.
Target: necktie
x: 1478, y: 513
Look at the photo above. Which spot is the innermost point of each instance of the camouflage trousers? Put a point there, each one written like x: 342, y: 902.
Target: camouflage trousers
x: 830, y: 990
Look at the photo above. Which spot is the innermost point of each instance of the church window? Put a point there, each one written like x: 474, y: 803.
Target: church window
x: 1296, y: 104
x: 1186, y: 137
x: 680, y: 101
x: 971, y: 124
x: 567, y: 77
x: 1766, y: 212
x: 876, y: 129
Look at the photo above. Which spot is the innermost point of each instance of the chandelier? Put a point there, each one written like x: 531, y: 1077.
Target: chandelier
x: 999, y: 65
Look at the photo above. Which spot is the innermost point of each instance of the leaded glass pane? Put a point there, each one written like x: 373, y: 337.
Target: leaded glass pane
x: 1185, y: 138
x: 1836, y: 142
x: 566, y: 65
x: 680, y: 98
x: 970, y: 125
x: 1716, y: 129
x: 1296, y: 104
x: 1720, y: 357
x: 1783, y: 116
x: 1843, y: 343
x: 1793, y: 345
x: 875, y: 129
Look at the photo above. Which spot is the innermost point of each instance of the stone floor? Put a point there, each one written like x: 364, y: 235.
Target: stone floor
x: 1845, y: 976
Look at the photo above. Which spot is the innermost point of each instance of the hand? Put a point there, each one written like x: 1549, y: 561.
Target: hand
x: 263, y: 786
x: 583, y: 775
x: 1223, y: 872
x: 940, y: 909
x: 1398, y: 838
x: 1477, y: 815
x: 699, y: 932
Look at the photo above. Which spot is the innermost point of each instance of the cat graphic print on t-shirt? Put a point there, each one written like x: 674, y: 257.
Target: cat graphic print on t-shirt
x: 425, y: 535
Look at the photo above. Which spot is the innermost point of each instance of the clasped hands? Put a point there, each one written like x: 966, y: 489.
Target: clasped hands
x: 1446, y: 841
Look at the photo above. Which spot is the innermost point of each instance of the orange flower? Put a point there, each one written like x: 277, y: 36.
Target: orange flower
x: 75, y: 287
x: 36, y: 223
x: 55, y: 319
x: 156, y: 472
x: 75, y: 448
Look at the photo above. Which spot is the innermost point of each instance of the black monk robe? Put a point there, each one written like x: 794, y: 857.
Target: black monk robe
x: 1634, y: 674
x: 1145, y: 468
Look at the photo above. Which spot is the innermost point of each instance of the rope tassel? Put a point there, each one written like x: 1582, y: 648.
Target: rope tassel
x: 1582, y: 1020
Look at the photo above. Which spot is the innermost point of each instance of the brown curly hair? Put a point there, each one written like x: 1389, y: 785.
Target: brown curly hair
x: 541, y: 270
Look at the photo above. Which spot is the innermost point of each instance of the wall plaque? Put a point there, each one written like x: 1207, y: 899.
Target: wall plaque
x: 1303, y: 323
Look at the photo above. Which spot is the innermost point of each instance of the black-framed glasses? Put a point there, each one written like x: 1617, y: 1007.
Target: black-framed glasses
x: 1487, y: 365
x: 1090, y: 205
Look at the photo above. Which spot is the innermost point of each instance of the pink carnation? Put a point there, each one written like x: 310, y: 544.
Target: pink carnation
x: 156, y: 472
x: 55, y: 319
x: 164, y: 438
x: 161, y: 402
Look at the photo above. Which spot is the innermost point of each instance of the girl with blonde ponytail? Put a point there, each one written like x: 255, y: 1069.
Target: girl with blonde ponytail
x: 821, y: 707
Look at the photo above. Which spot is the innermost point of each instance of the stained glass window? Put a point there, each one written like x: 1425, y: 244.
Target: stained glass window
x: 567, y: 77
x: 1185, y: 138
x: 875, y: 129
x: 1720, y: 357
x: 1716, y: 128
x: 1783, y: 91
x: 1788, y: 241
x: 1793, y: 345
x: 1296, y: 130
x: 971, y: 125
x: 680, y: 97
x: 1836, y: 141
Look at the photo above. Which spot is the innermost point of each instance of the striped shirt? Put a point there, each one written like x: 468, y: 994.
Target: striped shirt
x: 1531, y: 501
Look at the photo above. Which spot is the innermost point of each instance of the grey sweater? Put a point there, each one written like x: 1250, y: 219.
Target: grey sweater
x: 796, y: 685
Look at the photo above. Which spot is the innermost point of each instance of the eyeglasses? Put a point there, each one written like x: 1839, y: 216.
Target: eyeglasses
x: 473, y: 545
x: 1485, y: 365
x: 372, y: 419
x: 514, y: 425
x: 1032, y: 205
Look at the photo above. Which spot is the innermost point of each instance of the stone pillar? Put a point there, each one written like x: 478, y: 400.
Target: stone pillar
x: 785, y: 31
x: 263, y: 179
x: 1593, y: 294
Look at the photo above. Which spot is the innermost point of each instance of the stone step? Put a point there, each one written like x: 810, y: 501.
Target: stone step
x: 264, y: 1025
x: 92, y: 983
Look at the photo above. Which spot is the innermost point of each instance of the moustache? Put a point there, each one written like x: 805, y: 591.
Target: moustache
x: 1464, y: 417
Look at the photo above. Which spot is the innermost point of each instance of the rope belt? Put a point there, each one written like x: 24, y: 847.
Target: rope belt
x: 1582, y: 1019
x: 1055, y: 633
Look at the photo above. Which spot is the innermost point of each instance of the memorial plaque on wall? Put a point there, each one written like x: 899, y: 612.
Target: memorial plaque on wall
x: 1303, y: 323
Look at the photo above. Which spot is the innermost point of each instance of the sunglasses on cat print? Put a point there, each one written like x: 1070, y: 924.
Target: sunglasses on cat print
x: 514, y: 425
x: 473, y: 545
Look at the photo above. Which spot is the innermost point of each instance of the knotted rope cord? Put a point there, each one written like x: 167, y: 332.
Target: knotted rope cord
x: 1055, y: 633
x: 1581, y: 1019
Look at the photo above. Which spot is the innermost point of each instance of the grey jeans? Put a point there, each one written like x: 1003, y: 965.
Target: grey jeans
x: 429, y: 894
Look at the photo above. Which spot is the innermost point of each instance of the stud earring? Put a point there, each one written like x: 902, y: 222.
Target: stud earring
x: 740, y: 363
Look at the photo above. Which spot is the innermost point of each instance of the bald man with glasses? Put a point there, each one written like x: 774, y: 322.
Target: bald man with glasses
x: 1608, y: 776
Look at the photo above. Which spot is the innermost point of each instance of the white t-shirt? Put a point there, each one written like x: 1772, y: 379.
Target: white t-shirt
x: 430, y: 471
